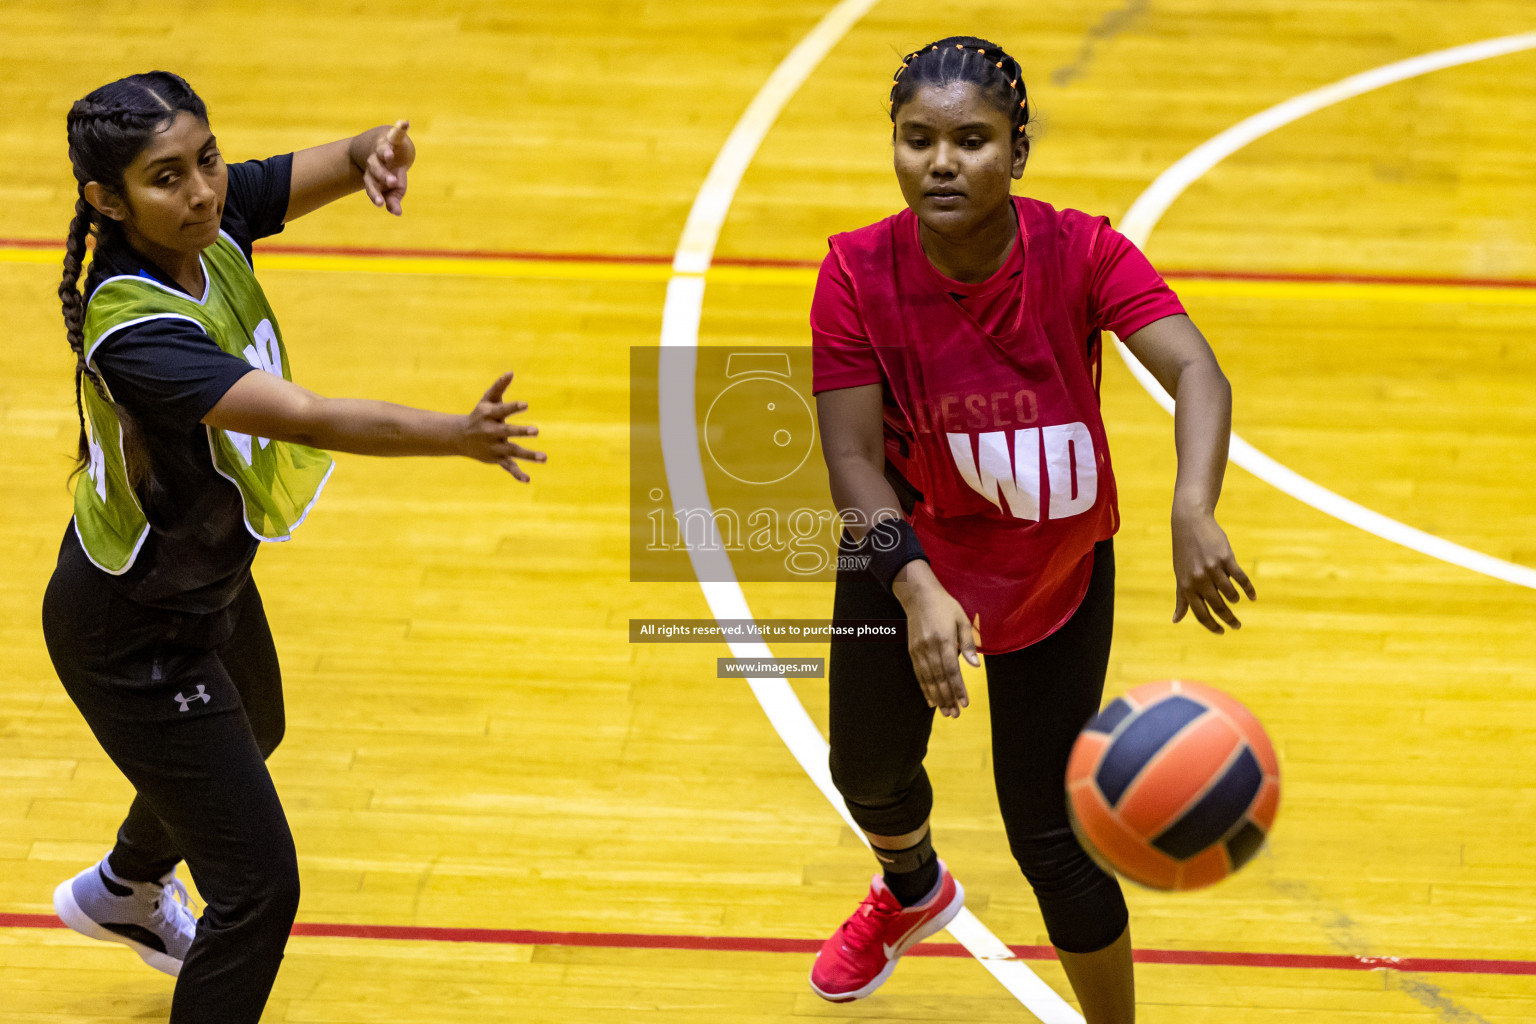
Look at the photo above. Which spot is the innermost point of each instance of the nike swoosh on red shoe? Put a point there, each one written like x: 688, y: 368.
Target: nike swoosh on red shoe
x: 890, y: 949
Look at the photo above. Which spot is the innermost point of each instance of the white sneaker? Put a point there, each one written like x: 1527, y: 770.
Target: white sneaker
x: 154, y: 919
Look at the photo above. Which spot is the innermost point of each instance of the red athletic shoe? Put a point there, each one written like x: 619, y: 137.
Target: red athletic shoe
x: 861, y: 954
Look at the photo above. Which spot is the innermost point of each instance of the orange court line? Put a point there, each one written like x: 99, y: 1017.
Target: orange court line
x: 656, y: 268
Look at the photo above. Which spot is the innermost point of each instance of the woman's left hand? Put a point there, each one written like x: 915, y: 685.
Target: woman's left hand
x: 384, y: 173
x: 1205, y: 570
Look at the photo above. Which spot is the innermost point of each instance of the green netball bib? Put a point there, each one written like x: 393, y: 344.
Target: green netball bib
x: 278, y: 482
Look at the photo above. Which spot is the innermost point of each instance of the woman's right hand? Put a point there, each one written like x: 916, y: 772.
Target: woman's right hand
x: 938, y: 633
x: 485, y: 432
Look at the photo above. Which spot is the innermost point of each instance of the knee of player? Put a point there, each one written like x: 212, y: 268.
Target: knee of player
x: 873, y: 789
x: 1055, y: 862
x: 262, y: 903
x: 1083, y: 908
x: 283, y: 891
x: 273, y: 890
x: 269, y: 731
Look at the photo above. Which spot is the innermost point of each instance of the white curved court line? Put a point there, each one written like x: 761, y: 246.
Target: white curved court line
x: 685, y: 469
x: 1150, y: 206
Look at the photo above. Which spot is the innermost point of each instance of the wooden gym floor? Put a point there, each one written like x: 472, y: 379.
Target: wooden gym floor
x: 474, y: 743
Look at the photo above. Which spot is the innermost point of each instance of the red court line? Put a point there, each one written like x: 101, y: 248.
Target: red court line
x: 747, y: 944
x: 467, y: 254
x: 753, y: 261
x: 1305, y: 278
x: 513, y: 255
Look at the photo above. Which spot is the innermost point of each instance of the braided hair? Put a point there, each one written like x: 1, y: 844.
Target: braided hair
x: 966, y: 59
x: 108, y: 129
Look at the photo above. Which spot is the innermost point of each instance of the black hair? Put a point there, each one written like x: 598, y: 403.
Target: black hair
x: 966, y: 59
x: 107, y: 131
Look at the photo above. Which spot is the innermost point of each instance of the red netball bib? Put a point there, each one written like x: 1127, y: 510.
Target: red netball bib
x: 1001, y: 433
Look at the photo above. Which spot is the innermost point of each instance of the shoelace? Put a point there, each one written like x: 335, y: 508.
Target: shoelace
x: 174, y: 907
x: 868, y: 923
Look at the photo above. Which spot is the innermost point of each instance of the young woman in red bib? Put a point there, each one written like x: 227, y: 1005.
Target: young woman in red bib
x: 957, y: 351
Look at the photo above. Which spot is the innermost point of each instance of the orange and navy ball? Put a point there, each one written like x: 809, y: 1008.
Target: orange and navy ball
x: 1174, y: 785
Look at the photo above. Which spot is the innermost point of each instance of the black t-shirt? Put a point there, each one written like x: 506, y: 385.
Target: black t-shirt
x: 167, y: 374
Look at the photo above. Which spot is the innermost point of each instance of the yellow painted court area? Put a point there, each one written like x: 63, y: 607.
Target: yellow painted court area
x: 474, y: 743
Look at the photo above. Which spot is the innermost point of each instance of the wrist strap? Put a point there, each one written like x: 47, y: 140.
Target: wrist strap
x: 891, y: 544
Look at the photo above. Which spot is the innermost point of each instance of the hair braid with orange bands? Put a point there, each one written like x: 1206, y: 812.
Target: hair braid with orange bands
x: 982, y: 63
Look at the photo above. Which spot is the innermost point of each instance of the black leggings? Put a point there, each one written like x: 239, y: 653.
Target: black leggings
x: 188, y: 707
x: 1040, y: 697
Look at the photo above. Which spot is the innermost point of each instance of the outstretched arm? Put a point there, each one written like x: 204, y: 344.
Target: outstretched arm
x: 853, y: 444
x: 375, y: 161
x: 1205, y: 569
x: 266, y: 405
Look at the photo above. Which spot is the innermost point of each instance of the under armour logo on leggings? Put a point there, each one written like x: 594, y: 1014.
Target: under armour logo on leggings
x: 201, y: 695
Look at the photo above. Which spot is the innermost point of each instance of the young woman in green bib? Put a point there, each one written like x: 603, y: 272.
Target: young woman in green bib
x: 195, y: 447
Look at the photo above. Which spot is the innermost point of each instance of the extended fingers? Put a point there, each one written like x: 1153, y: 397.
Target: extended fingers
x: 957, y: 687
x: 397, y: 147
x: 507, y: 456
x: 963, y: 647
x: 1219, y: 607
x: 1213, y: 586
x: 1207, y: 605
x: 928, y: 678
x: 1190, y: 597
x: 1228, y: 576
x: 925, y: 681
x: 391, y: 145
x: 512, y: 450
x: 944, y: 691
x: 1242, y: 580
x: 938, y: 673
x: 496, y: 390
x: 1202, y: 614
x: 501, y: 410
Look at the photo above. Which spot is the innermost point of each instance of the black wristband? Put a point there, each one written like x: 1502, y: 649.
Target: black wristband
x: 891, y: 544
